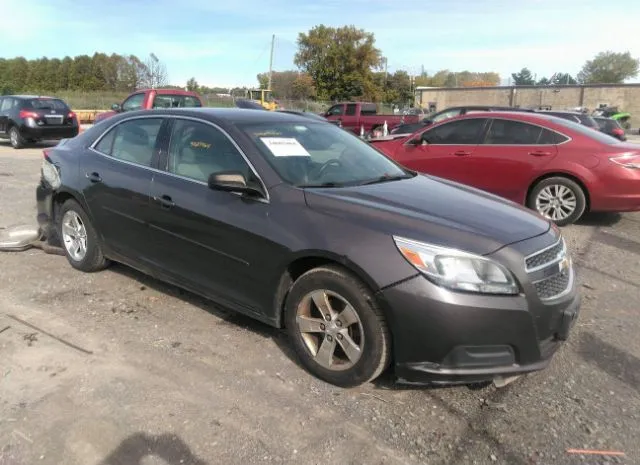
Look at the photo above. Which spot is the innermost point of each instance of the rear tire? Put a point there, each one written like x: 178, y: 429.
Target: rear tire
x: 79, y: 239
x: 16, y: 139
x: 558, y: 199
x: 353, y: 331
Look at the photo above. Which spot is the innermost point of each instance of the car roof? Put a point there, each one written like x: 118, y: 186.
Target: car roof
x: 567, y: 112
x: 533, y: 117
x: 226, y: 115
x: 169, y: 92
x: 30, y: 96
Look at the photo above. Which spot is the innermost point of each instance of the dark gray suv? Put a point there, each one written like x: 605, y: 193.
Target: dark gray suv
x: 31, y: 118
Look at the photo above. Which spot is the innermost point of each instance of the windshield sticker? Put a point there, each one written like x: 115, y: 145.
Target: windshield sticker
x: 268, y: 134
x: 285, y: 147
x: 199, y: 145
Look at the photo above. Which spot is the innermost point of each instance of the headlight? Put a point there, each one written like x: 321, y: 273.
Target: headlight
x: 458, y: 270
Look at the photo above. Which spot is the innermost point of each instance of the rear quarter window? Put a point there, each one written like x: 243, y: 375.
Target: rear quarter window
x: 368, y: 109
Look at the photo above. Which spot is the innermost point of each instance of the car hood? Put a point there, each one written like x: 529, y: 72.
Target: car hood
x: 432, y: 210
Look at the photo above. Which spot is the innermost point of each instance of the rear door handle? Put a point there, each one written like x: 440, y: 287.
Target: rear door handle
x: 540, y: 153
x: 93, y: 177
x: 462, y: 153
x: 165, y: 201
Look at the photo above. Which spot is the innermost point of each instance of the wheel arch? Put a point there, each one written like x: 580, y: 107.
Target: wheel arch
x: 561, y: 174
x: 304, y: 261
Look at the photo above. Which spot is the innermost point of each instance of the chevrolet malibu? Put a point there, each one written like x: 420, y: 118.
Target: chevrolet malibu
x: 301, y: 225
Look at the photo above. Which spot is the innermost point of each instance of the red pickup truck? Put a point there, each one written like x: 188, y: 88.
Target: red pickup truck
x: 148, y: 99
x: 355, y: 116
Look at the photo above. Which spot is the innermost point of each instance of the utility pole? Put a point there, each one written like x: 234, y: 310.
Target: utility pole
x: 385, y: 72
x: 273, y: 40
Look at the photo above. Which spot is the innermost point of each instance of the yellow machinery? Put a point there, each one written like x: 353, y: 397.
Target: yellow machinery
x: 263, y: 97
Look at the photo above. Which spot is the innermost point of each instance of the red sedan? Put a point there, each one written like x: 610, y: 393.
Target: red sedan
x: 555, y: 166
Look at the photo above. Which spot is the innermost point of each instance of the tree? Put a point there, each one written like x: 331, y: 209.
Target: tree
x: 192, y: 85
x: 339, y: 60
x: 564, y: 78
x: 263, y: 80
x: 303, y: 87
x: 523, y: 78
x: 609, y: 68
x: 154, y: 73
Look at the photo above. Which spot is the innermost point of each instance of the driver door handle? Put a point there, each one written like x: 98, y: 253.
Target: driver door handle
x: 165, y: 201
x: 93, y: 177
x: 461, y: 153
x: 540, y: 153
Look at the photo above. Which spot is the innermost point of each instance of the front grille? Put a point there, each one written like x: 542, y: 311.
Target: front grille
x: 544, y: 257
x: 553, y: 285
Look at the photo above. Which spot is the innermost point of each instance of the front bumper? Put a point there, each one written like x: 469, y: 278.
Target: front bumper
x: 49, y: 132
x: 443, y: 337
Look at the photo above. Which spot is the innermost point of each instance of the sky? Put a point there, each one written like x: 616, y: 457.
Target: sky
x: 226, y: 42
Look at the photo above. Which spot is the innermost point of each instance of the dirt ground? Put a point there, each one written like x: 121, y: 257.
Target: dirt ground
x: 115, y: 368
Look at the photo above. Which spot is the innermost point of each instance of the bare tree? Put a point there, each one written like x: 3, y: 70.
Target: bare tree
x: 155, y: 73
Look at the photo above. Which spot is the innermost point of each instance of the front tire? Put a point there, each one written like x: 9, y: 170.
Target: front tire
x: 79, y: 239
x: 558, y: 199
x: 336, y: 327
x: 16, y: 139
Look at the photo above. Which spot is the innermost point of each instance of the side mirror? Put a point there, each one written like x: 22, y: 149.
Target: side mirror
x: 231, y: 181
x: 420, y: 140
x: 116, y: 107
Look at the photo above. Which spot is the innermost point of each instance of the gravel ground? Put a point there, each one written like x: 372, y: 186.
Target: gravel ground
x: 117, y: 368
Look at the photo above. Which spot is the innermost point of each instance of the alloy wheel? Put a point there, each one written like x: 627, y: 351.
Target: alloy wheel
x: 331, y: 329
x: 556, y: 202
x: 74, y: 235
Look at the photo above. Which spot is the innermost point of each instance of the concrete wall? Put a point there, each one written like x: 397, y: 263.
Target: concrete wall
x: 625, y: 96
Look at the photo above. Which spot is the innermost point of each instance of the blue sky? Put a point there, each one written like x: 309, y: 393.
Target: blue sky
x: 227, y: 42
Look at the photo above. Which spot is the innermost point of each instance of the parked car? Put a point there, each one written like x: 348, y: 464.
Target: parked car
x: 31, y: 118
x: 151, y: 99
x: 555, y: 166
x: 610, y: 126
x: 451, y: 112
x: 622, y: 117
x: 575, y: 116
x: 300, y: 224
x: 362, y: 116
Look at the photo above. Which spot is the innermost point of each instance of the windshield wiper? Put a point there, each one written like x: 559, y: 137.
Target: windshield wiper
x: 322, y: 184
x: 386, y: 178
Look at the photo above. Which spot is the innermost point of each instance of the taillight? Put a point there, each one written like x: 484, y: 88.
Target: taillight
x: 27, y: 114
x: 628, y: 160
x: 71, y: 115
x: 618, y: 131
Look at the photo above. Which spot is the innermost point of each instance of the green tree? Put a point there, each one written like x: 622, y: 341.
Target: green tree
x: 192, y: 85
x: 62, y: 76
x: 303, y: 87
x: 563, y: 78
x: 609, y: 68
x: 339, y: 60
x: 523, y: 78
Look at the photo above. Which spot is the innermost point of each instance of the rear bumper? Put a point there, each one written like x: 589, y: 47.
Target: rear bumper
x: 44, y: 206
x: 447, y: 338
x: 617, y: 190
x: 49, y: 133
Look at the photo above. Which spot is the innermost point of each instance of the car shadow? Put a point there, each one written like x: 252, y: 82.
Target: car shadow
x: 135, y: 449
x: 599, y: 219
x: 226, y: 316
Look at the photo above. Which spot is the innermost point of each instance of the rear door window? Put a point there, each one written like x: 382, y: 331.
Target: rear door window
x: 548, y: 137
x: 351, y: 109
x: 132, y: 141
x: 461, y: 132
x: 5, y: 104
x: 508, y: 132
x: 368, y: 109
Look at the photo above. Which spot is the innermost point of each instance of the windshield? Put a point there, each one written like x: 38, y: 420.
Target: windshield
x: 587, y: 131
x: 310, y: 154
